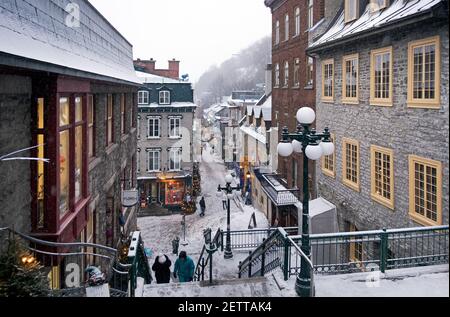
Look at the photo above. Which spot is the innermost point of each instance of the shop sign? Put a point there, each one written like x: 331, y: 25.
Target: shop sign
x: 130, y: 198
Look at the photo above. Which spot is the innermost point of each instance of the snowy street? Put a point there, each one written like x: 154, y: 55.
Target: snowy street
x: 158, y: 232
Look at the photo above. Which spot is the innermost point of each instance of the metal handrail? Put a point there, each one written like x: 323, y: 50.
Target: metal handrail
x: 215, y: 240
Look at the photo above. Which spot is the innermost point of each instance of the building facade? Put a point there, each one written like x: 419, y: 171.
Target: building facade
x: 165, y: 141
x: 75, y: 101
x: 149, y: 66
x: 384, y: 94
x: 294, y: 25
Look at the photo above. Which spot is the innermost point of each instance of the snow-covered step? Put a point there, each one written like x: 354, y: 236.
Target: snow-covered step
x: 254, y: 287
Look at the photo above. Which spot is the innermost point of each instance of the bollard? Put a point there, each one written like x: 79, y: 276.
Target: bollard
x: 175, y: 245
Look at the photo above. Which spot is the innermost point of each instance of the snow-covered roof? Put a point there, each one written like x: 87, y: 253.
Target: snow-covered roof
x: 257, y: 111
x: 148, y: 78
x: 397, y: 10
x: 40, y: 31
x: 253, y: 133
x: 173, y: 104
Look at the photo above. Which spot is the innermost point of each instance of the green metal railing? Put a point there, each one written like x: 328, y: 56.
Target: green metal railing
x: 205, y: 257
x: 138, y: 263
x: 80, y: 255
x: 349, y: 252
x: 252, y: 238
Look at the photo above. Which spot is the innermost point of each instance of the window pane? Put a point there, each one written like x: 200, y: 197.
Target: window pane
x: 78, y: 109
x: 78, y: 163
x: 63, y: 111
x: 64, y: 172
x: 40, y: 183
x: 40, y: 113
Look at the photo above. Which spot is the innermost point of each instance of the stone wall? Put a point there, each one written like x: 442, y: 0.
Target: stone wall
x: 422, y: 132
x: 15, y: 134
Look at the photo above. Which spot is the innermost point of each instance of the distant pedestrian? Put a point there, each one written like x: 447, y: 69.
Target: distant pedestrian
x: 184, y: 268
x: 162, y: 269
x: 224, y: 200
x: 202, y: 206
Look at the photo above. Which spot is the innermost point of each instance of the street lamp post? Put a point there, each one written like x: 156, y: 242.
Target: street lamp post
x: 228, y: 189
x: 305, y: 140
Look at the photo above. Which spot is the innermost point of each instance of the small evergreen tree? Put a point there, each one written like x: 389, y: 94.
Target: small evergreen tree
x: 21, y: 275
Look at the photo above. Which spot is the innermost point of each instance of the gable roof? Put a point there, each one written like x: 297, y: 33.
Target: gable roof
x: 370, y: 21
x: 38, y: 34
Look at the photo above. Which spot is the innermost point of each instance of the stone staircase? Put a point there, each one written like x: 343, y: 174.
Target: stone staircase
x: 254, y: 287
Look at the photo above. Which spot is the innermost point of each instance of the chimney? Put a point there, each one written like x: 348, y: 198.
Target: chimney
x: 148, y: 65
x: 174, y: 68
x: 268, y: 88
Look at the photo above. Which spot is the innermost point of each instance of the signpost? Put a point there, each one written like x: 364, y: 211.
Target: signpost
x: 130, y: 198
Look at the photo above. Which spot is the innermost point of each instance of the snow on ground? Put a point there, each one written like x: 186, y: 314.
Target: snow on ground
x: 429, y: 281
x: 158, y: 232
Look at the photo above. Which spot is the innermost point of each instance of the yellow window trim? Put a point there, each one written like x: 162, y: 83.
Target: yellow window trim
x: 412, y: 214
x: 345, y: 181
x: 384, y: 102
x: 328, y: 172
x: 347, y: 18
x: 389, y: 203
x: 330, y: 98
x: 344, y: 86
x: 434, y: 103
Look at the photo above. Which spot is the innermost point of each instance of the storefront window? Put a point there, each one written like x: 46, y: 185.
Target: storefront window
x: 174, y: 193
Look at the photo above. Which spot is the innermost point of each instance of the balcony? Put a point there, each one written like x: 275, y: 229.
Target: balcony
x: 277, y: 190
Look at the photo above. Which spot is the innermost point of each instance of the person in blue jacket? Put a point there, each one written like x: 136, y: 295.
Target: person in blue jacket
x: 184, y: 268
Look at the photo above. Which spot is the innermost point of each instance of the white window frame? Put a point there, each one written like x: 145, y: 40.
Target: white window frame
x: 351, y: 4
x: 286, y: 27
x: 156, y: 157
x: 174, y: 133
x: 310, y: 14
x: 143, y: 97
x: 164, y: 97
x: 286, y: 74
x: 297, y: 21
x: 277, y: 75
x: 277, y: 32
x: 176, y: 155
x: 154, y: 136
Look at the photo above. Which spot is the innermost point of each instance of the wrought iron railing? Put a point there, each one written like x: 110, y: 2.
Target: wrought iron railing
x: 269, y: 255
x: 75, y: 257
x: 205, y: 257
x: 361, y: 251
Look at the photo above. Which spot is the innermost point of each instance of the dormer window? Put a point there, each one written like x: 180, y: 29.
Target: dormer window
x: 351, y: 10
x: 377, y: 5
x: 143, y: 97
x: 164, y: 97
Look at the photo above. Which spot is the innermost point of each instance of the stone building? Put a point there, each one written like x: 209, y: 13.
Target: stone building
x: 165, y: 141
x: 67, y: 86
x: 384, y: 87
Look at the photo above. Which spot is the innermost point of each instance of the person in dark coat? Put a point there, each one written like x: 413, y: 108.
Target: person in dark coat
x: 202, y: 206
x: 162, y: 269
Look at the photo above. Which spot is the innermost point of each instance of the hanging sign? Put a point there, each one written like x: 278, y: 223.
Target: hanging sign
x: 130, y: 198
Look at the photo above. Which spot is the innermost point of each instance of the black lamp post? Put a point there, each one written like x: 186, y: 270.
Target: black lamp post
x: 305, y: 140
x: 228, y: 189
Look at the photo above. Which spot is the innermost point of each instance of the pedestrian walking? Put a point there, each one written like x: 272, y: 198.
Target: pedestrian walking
x: 162, y: 269
x: 224, y: 201
x: 184, y: 268
x: 202, y: 206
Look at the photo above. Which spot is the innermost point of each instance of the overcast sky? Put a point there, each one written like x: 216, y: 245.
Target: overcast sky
x: 199, y: 33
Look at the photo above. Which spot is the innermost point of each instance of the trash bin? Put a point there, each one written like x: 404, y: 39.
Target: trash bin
x: 175, y: 245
